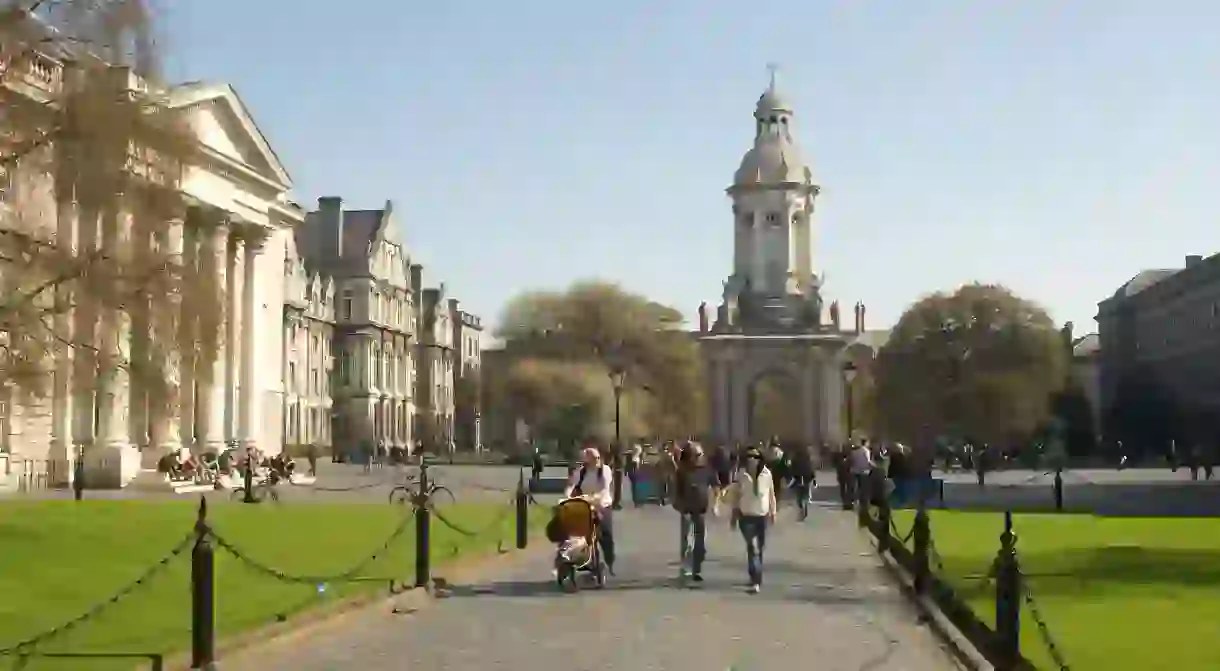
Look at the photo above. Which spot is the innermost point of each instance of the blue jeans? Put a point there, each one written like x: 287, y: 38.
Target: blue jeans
x: 754, y: 531
x: 692, y: 554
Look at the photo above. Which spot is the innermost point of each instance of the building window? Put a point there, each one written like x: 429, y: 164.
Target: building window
x: 345, y: 307
x: 772, y: 219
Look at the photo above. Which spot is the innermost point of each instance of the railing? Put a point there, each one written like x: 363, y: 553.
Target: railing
x: 916, y: 552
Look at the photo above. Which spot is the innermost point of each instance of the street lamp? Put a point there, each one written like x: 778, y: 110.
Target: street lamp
x: 618, y: 375
x: 849, y: 374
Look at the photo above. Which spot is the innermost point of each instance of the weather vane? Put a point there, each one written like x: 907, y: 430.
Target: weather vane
x: 772, y: 69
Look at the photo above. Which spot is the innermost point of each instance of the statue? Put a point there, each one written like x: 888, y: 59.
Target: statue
x: 861, y: 316
x: 856, y: 309
x: 703, y: 317
x: 834, y: 314
x: 815, y: 305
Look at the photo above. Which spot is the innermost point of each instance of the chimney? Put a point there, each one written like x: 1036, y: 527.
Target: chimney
x: 453, y: 306
x: 703, y: 317
x: 1193, y: 259
x: 417, y: 277
x: 331, y: 209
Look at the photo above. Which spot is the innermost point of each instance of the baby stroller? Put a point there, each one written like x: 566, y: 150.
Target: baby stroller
x: 574, y: 530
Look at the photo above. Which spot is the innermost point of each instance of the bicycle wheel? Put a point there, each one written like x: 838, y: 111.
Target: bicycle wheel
x: 238, y: 494
x: 400, y: 496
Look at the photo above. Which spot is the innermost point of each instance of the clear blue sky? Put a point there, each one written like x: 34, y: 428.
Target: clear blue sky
x: 1056, y: 147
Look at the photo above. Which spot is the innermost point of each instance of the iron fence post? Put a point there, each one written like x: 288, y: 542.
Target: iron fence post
x: 921, y: 533
x: 1008, y: 599
x: 522, y: 511
x: 249, y: 480
x: 863, y: 495
x: 1058, y: 490
x: 203, y: 595
x: 882, y: 530
x: 423, y: 531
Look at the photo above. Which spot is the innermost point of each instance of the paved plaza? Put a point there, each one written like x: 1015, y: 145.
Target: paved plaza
x: 826, y: 604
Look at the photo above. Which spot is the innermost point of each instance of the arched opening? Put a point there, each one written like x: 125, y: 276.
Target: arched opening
x: 776, y: 409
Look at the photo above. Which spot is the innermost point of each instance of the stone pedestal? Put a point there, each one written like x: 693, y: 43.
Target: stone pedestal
x: 111, y: 466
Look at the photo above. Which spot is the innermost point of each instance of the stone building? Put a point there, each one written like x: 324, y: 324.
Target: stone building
x: 375, y: 319
x: 467, y: 383
x: 434, y: 383
x: 1157, y: 336
x: 309, y: 333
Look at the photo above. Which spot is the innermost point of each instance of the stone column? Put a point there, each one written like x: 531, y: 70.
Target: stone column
x: 249, y: 396
x: 188, y: 356
x: 739, y: 405
x: 719, y: 412
x: 833, y: 399
x: 63, y: 449
x: 811, y: 401
x: 164, y: 430
x: 212, y: 392
x: 233, y: 308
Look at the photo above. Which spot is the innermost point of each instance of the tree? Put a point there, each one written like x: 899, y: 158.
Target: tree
x: 92, y: 156
x: 601, y: 325
x: 980, y: 364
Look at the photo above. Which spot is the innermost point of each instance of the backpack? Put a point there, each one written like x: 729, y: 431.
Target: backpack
x: 690, y: 494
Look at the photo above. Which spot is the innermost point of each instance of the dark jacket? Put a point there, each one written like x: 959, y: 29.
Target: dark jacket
x: 691, y: 489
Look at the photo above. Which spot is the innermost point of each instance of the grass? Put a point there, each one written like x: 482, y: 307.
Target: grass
x: 1116, y: 593
x: 59, y: 558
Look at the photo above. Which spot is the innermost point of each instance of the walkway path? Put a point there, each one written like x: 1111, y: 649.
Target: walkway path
x: 826, y: 604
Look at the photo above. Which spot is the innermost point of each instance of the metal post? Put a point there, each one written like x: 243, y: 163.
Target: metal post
x: 203, y: 594
x: 1008, y: 599
x: 249, y: 479
x: 522, y: 511
x: 423, y: 531
x: 882, y: 529
x: 851, y: 429
x: 618, y: 448
x: 1058, y: 490
x: 863, y: 493
x: 921, y: 533
x: 78, y: 475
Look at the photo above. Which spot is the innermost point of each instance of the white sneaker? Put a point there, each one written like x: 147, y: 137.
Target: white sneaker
x: 683, y: 572
x: 754, y: 589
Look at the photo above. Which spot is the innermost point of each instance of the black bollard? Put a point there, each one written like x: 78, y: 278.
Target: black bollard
x: 78, y: 478
x: 883, y: 526
x: 523, y: 503
x: 1059, y: 490
x: 1008, y: 599
x: 249, y: 480
x: 423, y: 530
x: 864, y: 490
x: 921, y: 533
x: 203, y: 594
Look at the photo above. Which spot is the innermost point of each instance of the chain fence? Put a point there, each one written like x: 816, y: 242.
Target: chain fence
x: 1044, y: 631
x: 27, y: 646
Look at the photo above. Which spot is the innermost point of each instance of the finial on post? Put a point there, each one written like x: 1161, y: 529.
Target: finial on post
x: 772, y: 69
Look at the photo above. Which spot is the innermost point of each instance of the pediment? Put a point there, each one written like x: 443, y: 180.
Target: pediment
x: 224, y: 125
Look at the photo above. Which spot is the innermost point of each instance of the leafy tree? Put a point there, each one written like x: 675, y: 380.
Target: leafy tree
x: 92, y: 158
x: 601, y: 325
x: 980, y: 363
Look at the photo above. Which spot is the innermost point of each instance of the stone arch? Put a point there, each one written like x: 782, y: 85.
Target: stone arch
x: 774, y: 405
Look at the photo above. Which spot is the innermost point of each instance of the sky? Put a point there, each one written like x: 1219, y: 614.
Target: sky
x: 1055, y: 147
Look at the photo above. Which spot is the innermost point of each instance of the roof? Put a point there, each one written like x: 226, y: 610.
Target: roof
x: 194, y: 93
x: 1087, y: 345
x: 773, y: 161
x: 1143, y: 280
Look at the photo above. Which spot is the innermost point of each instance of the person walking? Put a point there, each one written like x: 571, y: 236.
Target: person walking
x: 594, y: 481
x: 800, y: 469
x: 721, y: 464
x: 693, y: 482
x: 752, y: 497
x: 861, y: 466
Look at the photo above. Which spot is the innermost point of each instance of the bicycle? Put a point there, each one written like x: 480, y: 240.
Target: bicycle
x: 264, y: 488
x: 406, y: 491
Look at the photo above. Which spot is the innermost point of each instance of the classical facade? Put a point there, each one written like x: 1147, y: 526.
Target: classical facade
x: 237, y: 217
x: 1157, y: 337
x: 330, y: 298
x: 771, y: 320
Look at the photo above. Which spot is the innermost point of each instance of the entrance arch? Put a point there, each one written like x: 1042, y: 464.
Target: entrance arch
x: 775, y: 407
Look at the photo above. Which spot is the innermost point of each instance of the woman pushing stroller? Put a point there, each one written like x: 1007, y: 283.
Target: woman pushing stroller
x: 594, y: 482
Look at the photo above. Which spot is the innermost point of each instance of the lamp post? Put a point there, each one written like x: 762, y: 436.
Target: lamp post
x: 849, y: 375
x: 618, y: 376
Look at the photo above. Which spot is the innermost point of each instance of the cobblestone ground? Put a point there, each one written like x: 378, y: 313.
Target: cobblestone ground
x: 826, y: 605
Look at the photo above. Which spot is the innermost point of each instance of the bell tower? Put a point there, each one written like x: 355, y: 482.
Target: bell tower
x: 773, y: 280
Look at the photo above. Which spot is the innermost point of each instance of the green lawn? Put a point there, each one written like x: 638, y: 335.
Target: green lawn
x: 1117, y: 593
x: 59, y: 558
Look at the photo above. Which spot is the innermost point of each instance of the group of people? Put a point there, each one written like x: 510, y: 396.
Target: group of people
x: 747, y: 482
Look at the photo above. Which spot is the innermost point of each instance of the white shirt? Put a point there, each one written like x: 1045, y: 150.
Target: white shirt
x: 861, y: 461
x: 750, y: 503
x: 599, y: 491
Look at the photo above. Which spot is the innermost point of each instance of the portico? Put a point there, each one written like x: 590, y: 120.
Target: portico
x: 236, y: 217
